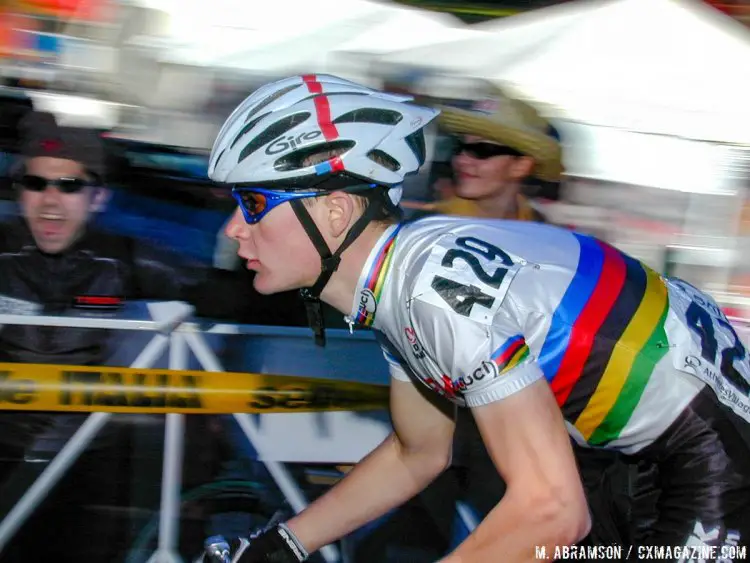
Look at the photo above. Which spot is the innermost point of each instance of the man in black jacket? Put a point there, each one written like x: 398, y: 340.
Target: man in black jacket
x: 50, y: 257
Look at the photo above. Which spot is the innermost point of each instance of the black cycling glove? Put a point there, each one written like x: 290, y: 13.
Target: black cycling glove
x: 273, y: 545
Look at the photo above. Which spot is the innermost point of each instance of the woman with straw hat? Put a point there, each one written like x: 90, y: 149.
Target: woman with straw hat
x: 501, y: 144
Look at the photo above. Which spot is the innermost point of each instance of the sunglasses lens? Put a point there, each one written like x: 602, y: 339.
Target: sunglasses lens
x: 483, y: 151
x: 33, y: 183
x: 65, y: 185
x: 71, y: 185
x: 254, y: 203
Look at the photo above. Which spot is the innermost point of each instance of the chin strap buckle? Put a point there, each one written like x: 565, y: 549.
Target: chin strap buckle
x: 314, y: 309
x: 331, y: 264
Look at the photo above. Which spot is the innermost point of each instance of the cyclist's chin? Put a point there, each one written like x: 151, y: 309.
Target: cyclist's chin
x: 266, y: 284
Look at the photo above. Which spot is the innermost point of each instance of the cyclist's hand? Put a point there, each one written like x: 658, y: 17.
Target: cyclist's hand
x: 273, y: 545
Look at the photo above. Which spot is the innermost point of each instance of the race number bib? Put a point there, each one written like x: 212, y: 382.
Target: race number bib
x: 468, y: 275
x: 710, y: 348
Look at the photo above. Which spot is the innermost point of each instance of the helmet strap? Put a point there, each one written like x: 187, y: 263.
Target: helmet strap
x: 329, y: 262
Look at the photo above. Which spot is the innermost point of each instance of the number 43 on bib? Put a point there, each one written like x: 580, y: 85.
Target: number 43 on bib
x: 468, y: 275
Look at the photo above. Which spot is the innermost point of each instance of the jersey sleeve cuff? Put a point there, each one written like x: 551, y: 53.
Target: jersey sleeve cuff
x: 394, y: 366
x: 504, y: 387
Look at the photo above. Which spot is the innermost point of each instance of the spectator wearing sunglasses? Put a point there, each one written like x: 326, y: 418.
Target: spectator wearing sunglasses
x: 52, y: 255
x: 502, y: 146
x: 60, y: 185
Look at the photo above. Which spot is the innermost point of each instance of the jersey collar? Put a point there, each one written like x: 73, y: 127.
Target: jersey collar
x: 372, y: 279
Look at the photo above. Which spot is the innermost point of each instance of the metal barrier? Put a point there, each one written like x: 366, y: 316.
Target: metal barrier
x: 180, y: 338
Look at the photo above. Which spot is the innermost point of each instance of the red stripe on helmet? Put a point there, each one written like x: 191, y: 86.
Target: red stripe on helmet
x: 337, y: 165
x: 322, y: 107
x: 313, y: 86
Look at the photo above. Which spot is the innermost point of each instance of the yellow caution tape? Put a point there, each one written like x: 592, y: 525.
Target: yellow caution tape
x: 45, y: 387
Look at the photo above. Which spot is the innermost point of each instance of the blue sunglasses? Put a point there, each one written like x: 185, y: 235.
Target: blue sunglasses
x: 255, y: 202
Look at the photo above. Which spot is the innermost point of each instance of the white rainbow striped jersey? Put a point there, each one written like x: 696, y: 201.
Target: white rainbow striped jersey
x: 479, y: 309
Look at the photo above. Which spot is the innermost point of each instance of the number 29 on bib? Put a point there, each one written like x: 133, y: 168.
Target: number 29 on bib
x: 468, y: 275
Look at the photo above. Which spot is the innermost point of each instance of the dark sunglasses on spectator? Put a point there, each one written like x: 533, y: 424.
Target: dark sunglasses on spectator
x: 482, y: 150
x: 65, y: 185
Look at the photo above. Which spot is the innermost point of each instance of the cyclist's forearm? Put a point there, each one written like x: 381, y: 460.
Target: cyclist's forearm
x: 518, y: 527
x: 385, y: 479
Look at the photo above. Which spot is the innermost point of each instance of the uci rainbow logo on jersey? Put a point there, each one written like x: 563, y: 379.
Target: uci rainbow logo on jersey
x: 375, y: 280
x: 510, y: 354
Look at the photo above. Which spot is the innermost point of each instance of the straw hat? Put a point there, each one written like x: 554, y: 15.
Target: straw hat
x: 513, y: 123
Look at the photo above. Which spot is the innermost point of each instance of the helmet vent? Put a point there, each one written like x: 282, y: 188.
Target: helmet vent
x: 416, y: 143
x: 310, y: 156
x: 218, y: 158
x: 246, y: 129
x: 384, y: 159
x: 272, y: 132
x: 370, y: 115
x: 270, y: 99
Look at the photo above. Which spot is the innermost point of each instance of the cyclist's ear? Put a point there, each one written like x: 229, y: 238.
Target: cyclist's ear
x: 339, y: 210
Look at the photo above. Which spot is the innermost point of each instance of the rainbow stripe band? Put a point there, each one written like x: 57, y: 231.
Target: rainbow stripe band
x: 510, y: 354
x: 605, y: 339
x: 376, y: 276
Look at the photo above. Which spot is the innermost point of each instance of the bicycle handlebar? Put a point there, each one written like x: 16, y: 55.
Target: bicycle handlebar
x: 216, y: 549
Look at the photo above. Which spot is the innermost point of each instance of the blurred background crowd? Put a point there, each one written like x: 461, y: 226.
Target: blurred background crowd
x: 634, y: 111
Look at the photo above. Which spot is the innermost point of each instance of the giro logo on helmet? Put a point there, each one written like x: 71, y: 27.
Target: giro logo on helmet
x: 283, y: 144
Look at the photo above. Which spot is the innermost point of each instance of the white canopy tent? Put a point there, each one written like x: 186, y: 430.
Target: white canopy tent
x: 271, y: 39
x: 641, y: 159
x: 485, y: 43
x: 174, y: 69
x: 215, y: 32
x: 406, y: 28
x: 346, y: 44
x: 675, y: 67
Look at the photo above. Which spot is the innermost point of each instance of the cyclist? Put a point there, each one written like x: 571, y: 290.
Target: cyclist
x: 543, y: 333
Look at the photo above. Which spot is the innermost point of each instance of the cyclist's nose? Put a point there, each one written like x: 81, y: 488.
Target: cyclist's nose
x: 237, y: 228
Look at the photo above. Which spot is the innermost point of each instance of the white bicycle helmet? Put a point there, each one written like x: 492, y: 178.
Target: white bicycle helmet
x: 376, y: 139
x: 269, y: 135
